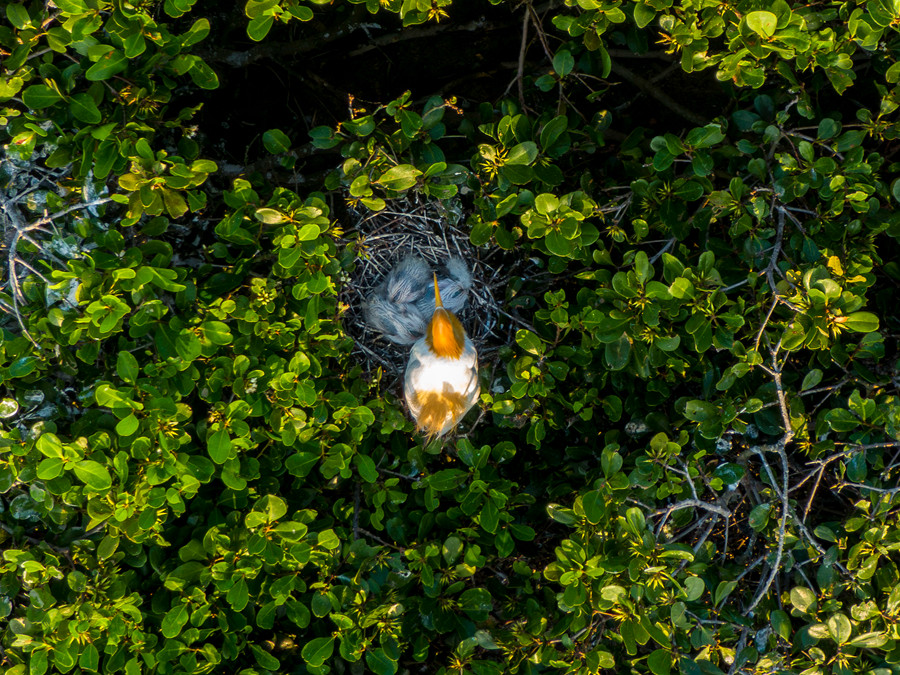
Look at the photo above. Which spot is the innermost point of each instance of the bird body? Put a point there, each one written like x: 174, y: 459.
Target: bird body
x: 441, y: 382
x: 440, y: 390
x: 415, y: 306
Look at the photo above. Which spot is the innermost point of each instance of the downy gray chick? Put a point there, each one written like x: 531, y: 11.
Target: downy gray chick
x: 401, y: 306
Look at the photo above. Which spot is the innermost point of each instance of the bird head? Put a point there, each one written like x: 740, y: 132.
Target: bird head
x: 445, y: 335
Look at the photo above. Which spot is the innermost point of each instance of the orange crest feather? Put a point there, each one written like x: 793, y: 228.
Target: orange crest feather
x: 445, y: 335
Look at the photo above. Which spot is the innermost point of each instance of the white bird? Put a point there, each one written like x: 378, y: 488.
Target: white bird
x: 402, y: 305
x: 441, y: 383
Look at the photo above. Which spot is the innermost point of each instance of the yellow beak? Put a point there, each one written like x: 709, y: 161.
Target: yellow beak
x: 437, y: 293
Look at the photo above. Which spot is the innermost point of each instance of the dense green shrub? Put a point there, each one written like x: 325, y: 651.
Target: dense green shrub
x: 689, y: 456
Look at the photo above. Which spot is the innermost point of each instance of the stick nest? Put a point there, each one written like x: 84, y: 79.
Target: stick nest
x: 432, y: 231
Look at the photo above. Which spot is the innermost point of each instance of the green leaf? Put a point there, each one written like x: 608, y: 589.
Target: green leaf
x: 37, y: 664
x: 202, y: 75
x: 23, y: 366
x: 49, y: 445
x: 127, y: 425
x: 704, y: 137
x: 49, y: 468
x: 183, y: 575
x: 366, y: 467
x: 841, y: 420
x: 660, y: 662
x: 175, y: 204
x: 218, y: 445
x: 729, y: 472
x: 559, y: 245
x: 259, y: 27
x: 93, y: 474
x: 759, y: 516
x: 276, y: 141
x: 563, y: 62
x: 546, y: 203
x: 110, y: 64
x: 868, y: 641
x: 689, y: 191
x: 238, y: 595
x: 803, y: 599
x: 273, y: 507
x: 811, y: 379
x: 476, y: 602
x: 8, y: 408
x: 762, y: 23
x: 328, y: 539
x: 447, y: 479
x: 316, y: 652
x: 18, y: 15
x: 490, y: 516
x: 174, y: 621
x: 451, y: 549
x: 635, y: 520
x: 561, y: 514
x: 127, y: 367
x: 723, y: 590
x: 694, y: 588
x: 617, y: 353
x: 594, y: 506
x: 40, y: 96
x: 644, y: 13
x: 401, y: 177
x: 255, y: 8
x: 84, y: 109
x: 264, y: 659
x: 530, y: 342
x: 553, y: 130
x: 840, y: 628
x: 198, y: 32
x: 217, y: 332
x: 107, y: 547
x: 781, y: 624
x: 861, y: 322
x: 828, y: 128
x: 379, y: 663
x: 89, y: 658
x: 522, y: 154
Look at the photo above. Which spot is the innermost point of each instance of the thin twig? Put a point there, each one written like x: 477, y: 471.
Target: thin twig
x: 863, y: 486
x: 782, y: 491
x: 379, y: 539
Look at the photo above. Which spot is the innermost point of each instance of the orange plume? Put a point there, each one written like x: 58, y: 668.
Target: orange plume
x: 436, y: 408
x: 445, y: 335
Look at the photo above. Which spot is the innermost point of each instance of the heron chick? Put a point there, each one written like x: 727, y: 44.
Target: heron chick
x: 402, y: 305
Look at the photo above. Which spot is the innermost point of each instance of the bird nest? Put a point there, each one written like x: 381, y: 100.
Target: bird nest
x: 431, y: 230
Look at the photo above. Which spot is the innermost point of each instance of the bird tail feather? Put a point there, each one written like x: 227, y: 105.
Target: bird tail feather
x: 437, y: 409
